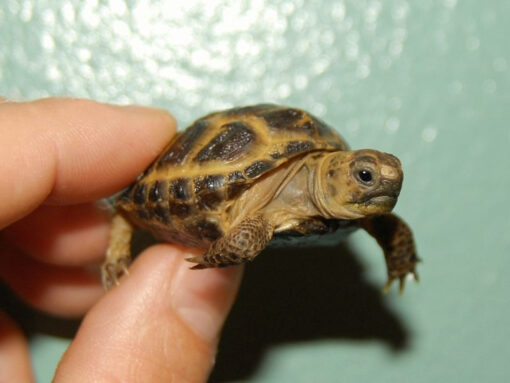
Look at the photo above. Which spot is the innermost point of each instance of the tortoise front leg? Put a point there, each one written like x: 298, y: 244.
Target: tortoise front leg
x: 396, y: 239
x: 241, y: 244
x: 118, y: 255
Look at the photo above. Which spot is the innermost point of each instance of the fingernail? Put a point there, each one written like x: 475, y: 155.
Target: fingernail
x: 203, y: 298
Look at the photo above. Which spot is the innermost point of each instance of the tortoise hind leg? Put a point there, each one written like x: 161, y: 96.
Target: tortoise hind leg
x: 118, y: 255
x: 396, y: 239
x: 241, y: 244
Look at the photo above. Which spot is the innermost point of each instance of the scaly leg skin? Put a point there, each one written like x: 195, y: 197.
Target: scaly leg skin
x: 243, y: 243
x: 396, y: 240
x: 118, y: 255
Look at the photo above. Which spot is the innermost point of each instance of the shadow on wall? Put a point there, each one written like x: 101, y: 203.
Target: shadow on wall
x: 289, y: 296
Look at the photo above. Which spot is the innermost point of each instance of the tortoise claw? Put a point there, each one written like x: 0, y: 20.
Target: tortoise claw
x: 401, y: 282
x: 387, y: 287
x: 201, y: 263
x: 198, y: 267
x: 206, y: 261
x: 415, y: 275
x: 111, y: 273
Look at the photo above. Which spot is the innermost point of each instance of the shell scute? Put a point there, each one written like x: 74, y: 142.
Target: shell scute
x: 143, y: 214
x: 180, y: 148
x: 321, y: 127
x: 204, y: 228
x: 140, y: 194
x: 235, y: 176
x: 283, y: 119
x: 162, y: 214
x: 294, y: 147
x: 208, y: 183
x: 231, y: 142
x: 157, y: 192
x: 210, y: 201
x: 179, y: 189
x: 180, y: 209
x: 258, y: 168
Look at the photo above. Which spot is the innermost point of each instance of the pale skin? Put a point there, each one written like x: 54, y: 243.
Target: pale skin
x: 59, y: 156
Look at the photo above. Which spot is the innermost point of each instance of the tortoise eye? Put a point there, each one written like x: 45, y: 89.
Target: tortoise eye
x: 365, y: 176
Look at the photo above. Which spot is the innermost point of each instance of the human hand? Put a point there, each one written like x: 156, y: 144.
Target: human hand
x: 162, y: 323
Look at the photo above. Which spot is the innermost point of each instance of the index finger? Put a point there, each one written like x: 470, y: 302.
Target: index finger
x: 67, y: 151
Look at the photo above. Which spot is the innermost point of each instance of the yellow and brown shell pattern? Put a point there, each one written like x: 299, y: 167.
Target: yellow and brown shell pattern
x: 179, y: 197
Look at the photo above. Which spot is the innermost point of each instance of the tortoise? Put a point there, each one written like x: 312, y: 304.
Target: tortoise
x: 235, y: 179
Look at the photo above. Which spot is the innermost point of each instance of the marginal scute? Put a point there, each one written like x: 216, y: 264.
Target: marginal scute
x: 294, y: 147
x: 209, y: 200
x: 180, y: 209
x: 208, y: 229
x: 139, y: 194
x: 208, y: 191
x: 208, y: 183
x: 337, y: 145
x: 277, y: 155
x: 126, y: 195
x: 143, y: 214
x: 179, y: 189
x: 161, y: 214
x: 235, y: 176
x: 257, y: 168
x: 158, y: 191
x: 322, y: 128
x: 214, y: 182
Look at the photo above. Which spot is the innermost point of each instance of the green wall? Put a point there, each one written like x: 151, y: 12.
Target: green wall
x: 427, y: 80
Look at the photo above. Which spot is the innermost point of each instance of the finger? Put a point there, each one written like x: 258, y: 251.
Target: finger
x: 14, y: 355
x: 161, y: 324
x: 71, y: 151
x: 73, y: 235
x: 62, y: 291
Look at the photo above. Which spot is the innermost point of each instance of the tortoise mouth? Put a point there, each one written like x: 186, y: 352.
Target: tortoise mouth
x: 383, y: 200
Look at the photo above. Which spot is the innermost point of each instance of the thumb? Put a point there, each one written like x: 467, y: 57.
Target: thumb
x: 160, y: 325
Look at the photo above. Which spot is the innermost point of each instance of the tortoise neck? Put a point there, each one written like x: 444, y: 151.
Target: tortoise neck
x: 316, y: 185
x: 327, y: 196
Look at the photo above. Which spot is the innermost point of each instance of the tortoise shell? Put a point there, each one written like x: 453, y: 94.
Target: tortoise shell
x: 214, y: 160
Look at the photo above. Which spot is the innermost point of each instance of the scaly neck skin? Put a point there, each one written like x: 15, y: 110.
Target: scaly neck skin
x: 328, y: 207
x: 302, y: 195
x: 293, y: 196
x: 316, y: 187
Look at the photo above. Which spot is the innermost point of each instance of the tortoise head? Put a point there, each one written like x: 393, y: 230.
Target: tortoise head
x: 355, y: 184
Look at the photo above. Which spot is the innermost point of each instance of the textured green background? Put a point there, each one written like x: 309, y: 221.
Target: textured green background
x: 427, y: 80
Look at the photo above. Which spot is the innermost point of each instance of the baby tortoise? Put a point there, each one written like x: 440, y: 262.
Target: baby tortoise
x: 236, y: 178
